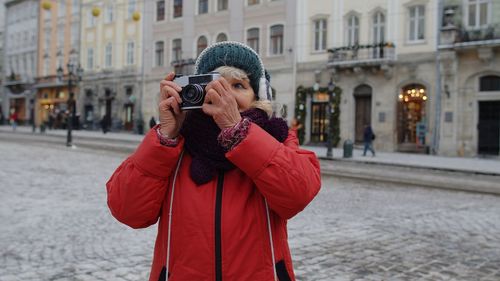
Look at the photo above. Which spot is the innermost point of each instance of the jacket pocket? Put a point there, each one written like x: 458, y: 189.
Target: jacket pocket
x: 282, y: 272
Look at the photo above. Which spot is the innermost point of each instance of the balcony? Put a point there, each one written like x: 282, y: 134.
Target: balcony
x: 453, y: 37
x: 362, y: 55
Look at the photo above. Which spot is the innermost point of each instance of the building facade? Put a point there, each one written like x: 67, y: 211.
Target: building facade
x: 381, y: 54
x: 111, y: 55
x: 182, y: 29
x: 19, y: 56
x: 423, y: 73
x: 469, y: 61
x: 59, y: 48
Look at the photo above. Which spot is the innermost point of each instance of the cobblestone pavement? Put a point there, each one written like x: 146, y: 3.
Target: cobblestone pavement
x: 54, y: 225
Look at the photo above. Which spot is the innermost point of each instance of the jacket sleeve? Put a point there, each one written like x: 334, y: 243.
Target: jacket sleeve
x: 287, y: 176
x: 136, y: 189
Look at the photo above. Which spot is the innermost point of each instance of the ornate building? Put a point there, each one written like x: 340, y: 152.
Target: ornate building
x: 111, y: 55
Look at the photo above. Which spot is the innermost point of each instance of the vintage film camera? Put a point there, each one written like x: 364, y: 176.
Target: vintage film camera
x: 193, y: 89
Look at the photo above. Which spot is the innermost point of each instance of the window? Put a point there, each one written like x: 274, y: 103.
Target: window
x: 477, y: 13
x: 131, y: 8
x: 90, y: 58
x: 201, y: 45
x: 176, y: 49
x: 277, y: 39
x: 75, y: 7
x: 47, y: 39
x: 320, y: 35
x: 177, y: 8
x: 489, y: 83
x: 221, y: 37
x: 202, y: 7
x: 75, y: 34
x: 90, y: 19
x: 160, y: 10
x: 253, y: 39
x: 221, y: 5
x: 109, y: 13
x: 417, y: 23
x: 378, y: 28
x: 130, y: 53
x: 46, y: 66
x: 108, y: 60
x: 47, y: 15
x: 61, y: 9
x: 253, y: 2
x: 159, y: 53
x: 60, y: 36
x: 352, y: 30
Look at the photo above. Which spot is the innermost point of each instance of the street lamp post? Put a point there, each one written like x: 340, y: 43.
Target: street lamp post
x: 331, y: 96
x: 74, y: 76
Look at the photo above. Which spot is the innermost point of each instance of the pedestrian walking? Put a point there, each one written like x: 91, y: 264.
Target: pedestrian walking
x: 368, y: 138
x: 223, y: 180
x: 13, y: 120
x: 152, y: 122
x: 105, y: 124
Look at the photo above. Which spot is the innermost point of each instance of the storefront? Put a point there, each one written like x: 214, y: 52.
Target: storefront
x: 51, y: 104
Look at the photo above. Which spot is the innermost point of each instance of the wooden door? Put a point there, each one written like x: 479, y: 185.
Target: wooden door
x: 363, y: 115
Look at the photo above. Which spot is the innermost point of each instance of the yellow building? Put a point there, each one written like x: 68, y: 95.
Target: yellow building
x: 58, y: 45
x: 111, y: 34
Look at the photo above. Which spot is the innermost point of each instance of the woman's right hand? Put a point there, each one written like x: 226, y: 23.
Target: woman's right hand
x: 171, y: 116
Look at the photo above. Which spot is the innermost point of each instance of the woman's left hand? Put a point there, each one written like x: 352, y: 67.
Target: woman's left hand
x: 221, y: 104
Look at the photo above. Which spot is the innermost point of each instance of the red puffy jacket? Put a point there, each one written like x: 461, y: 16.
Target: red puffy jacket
x: 219, y: 230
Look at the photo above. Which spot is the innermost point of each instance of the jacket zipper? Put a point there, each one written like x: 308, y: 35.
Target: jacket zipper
x: 218, y: 213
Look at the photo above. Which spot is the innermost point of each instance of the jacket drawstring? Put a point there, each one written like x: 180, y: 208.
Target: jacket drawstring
x: 271, y: 239
x: 170, y: 213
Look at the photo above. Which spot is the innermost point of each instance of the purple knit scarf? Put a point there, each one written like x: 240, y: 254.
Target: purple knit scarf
x: 200, y: 133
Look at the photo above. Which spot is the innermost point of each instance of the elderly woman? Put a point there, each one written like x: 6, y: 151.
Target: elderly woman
x: 223, y: 180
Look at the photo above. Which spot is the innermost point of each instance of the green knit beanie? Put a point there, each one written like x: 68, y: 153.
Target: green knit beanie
x: 236, y: 54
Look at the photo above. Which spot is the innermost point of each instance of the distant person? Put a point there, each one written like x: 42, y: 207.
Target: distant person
x: 13, y: 120
x: 368, y: 137
x: 1, y: 116
x: 152, y: 122
x: 105, y: 124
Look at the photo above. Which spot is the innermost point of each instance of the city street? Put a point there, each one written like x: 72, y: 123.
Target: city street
x: 55, y: 225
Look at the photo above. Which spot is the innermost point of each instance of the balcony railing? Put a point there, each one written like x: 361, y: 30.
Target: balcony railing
x: 362, y: 54
x: 452, y: 36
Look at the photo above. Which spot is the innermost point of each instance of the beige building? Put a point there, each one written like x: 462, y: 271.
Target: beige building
x: 376, y: 52
x: 58, y: 47
x: 111, y: 47
x: 180, y: 30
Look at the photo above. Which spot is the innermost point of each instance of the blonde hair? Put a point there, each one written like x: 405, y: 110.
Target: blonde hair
x: 236, y: 73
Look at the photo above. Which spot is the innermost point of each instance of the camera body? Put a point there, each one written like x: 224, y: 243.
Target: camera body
x: 193, y: 89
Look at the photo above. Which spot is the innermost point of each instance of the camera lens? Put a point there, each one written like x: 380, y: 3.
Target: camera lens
x: 192, y: 93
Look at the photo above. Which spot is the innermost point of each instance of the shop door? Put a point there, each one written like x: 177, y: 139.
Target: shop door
x: 363, y: 115
x: 319, y: 122
x: 489, y: 128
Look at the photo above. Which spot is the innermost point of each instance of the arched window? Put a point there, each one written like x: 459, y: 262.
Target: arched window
x: 378, y: 27
x: 352, y: 30
x: 201, y: 45
x: 489, y: 83
x: 221, y: 37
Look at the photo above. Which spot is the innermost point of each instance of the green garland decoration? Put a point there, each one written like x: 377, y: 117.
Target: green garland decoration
x: 301, y: 111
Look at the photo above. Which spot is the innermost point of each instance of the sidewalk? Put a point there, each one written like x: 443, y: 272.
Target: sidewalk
x: 470, y: 165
